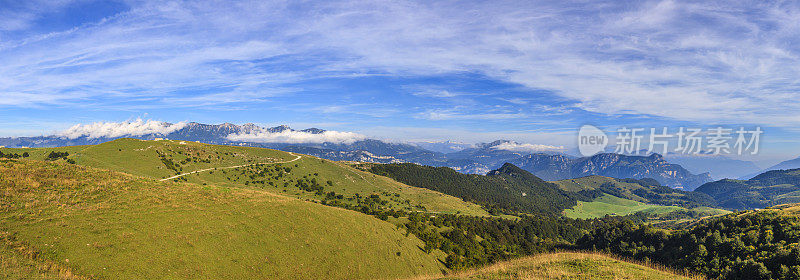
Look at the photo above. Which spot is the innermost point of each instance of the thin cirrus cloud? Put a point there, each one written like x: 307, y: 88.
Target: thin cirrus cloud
x: 706, y: 62
x: 456, y: 114
x: 297, y: 137
x: 136, y: 127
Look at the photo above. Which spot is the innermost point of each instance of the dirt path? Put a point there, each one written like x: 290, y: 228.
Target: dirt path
x: 229, y: 167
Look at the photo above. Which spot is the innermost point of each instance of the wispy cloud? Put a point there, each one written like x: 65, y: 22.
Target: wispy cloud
x: 297, y: 137
x: 436, y: 93
x: 720, y: 62
x: 444, y: 115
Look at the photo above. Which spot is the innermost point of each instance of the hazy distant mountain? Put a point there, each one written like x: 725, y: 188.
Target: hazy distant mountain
x: 789, y: 164
x: 784, y: 165
x: 368, y: 150
x: 719, y: 167
x: 767, y: 189
x: 558, y: 167
x: 360, y: 156
x: 444, y: 146
x: 472, y: 159
x: 477, y: 159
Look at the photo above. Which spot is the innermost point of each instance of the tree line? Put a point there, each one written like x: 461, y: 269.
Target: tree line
x: 751, y: 245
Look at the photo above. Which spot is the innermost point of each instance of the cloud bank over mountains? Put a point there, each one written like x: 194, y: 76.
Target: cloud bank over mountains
x: 257, y: 134
x: 526, y: 148
x: 136, y: 127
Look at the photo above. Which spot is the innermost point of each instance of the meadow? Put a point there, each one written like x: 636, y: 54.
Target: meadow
x: 103, y: 224
x: 566, y: 265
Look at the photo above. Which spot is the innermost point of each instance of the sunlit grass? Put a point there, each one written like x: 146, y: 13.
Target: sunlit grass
x: 104, y: 224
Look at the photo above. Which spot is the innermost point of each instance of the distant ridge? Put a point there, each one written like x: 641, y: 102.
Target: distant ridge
x: 788, y: 164
x: 543, y: 161
x: 767, y: 189
x: 559, y: 167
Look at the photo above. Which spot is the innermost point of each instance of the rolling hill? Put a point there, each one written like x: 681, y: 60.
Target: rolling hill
x: 614, y: 206
x: 281, y: 172
x: 479, y: 158
x: 754, y: 244
x: 640, y: 190
x: 506, y: 190
x: 103, y: 224
x: 619, y: 197
x: 566, y: 265
x: 767, y: 189
x: 510, y: 189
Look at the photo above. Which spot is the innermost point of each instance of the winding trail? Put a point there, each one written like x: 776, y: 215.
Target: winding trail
x: 229, y: 167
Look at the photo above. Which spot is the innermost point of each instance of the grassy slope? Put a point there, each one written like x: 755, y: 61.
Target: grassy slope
x: 590, y: 183
x: 565, y: 266
x: 586, y: 183
x: 104, y: 224
x: 792, y: 197
x: 141, y: 158
x: 612, y: 205
x: 17, y: 261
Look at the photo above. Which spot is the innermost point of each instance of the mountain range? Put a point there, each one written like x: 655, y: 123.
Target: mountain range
x: 718, y: 166
x: 784, y: 165
x: 464, y: 158
x: 764, y: 190
x: 559, y: 167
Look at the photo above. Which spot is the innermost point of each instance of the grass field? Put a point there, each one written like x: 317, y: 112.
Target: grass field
x: 592, y: 182
x: 18, y: 262
x: 64, y: 219
x: 615, y: 206
x: 565, y: 266
x: 589, y: 183
x: 166, y: 158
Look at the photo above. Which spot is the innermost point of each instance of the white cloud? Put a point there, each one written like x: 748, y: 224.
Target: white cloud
x: 137, y: 127
x: 526, y: 148
x: 436, y: 93
x: 297, y: 137
x: 721, y: 62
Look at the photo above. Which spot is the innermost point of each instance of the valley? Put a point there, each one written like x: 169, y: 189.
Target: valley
x: 297, y: 216
x: 403, y: 139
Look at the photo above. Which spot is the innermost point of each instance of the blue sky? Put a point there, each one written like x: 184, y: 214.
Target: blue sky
x: 468, y: 71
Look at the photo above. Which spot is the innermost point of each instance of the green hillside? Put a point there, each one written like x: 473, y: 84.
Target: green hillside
x: 767, y: 189
x: 103, y: 224
x: 19, y: 262
x: 619, y: 197
x: 293, y: 175
x: 641, y: 190
x: 508, y: 189
x: 565, y: 266
x: 614, y: 206
x: 756, y: 244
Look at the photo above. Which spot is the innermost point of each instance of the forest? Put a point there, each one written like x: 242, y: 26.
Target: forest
x: 507, y: 190
x: 741, y: 245
x: 745, y: 245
